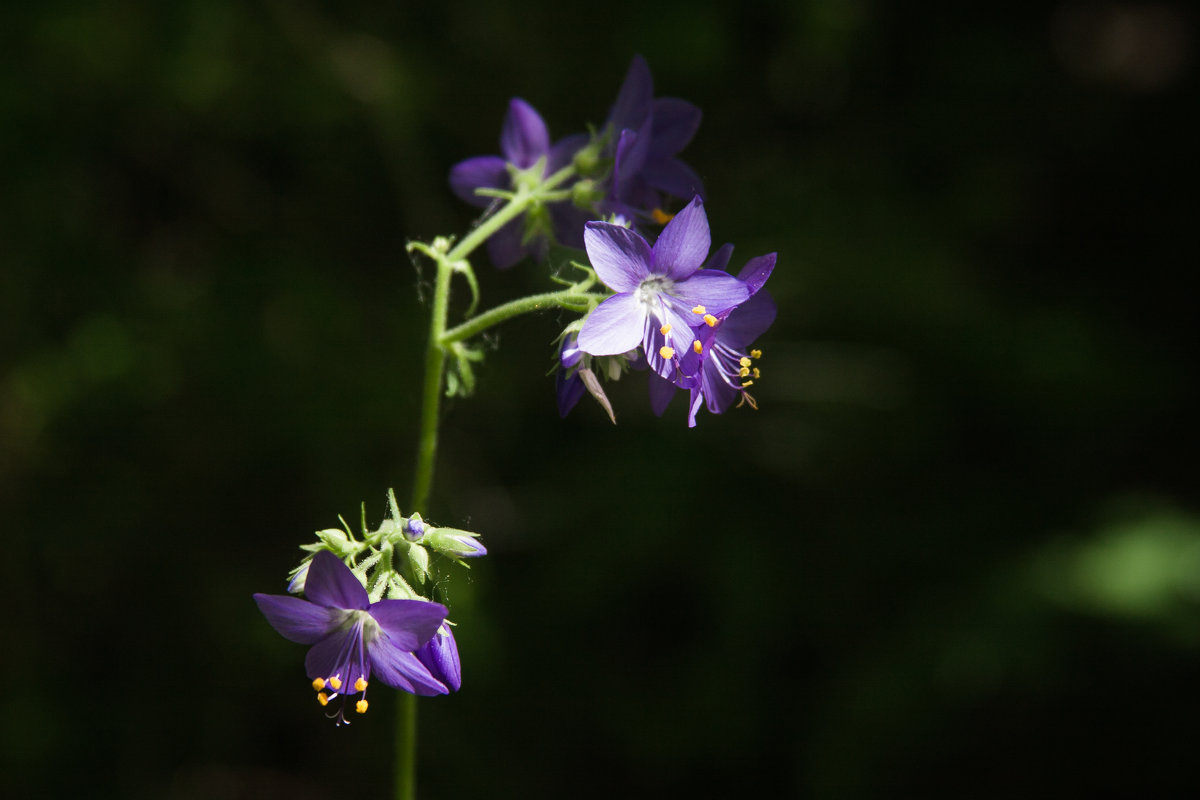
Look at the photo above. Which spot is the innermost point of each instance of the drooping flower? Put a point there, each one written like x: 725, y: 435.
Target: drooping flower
x: 524, y: 141
x: 353, y: 638
x: 727, y: 363
x: 661, y: 292
x: 646, y: 134
x: 440, y: 656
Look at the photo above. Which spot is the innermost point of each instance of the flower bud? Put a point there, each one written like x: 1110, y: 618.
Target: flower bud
x: 440, y: 657
x: 414, y: 528
x: 455, y: 543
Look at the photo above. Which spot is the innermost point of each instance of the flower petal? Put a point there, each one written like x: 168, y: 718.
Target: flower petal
x: 336, y: 654
x: 563, y: 151
x: 716, y: 291
x: 757, y: 270
x: 748, y: 321
x: 620, y: 256
x: 661, y: 392
x: 331, y: 583
x: 633, y: 102
x: 298, y: 620
x: 401, y: 669
x: 673, y: 177
x: 630, y: 157
x: 523, y: 138
x: 675, y: 123
x: 683, y: 244
x: 481, y: 172
x: 409, y: 623
x: 719, y: 259
x: 440, y: 657
x: 504, y: 246
x: 613, y: 327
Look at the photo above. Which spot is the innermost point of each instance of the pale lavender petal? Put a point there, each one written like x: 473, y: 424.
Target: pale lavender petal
x: 697, y: 397
x: 673, y: 177
x: 440, y: 657
x: 718, y: 395
x: 409, y: 623
x: 481, y: 172
x: 298, y: 620
x: 620, y: 256
x: 633, y: 102
x: 523, y: 138
x: 675, y: 123
x: 401, y: 669
x: 683, y: 244
x: 756, y: 271
x: 613, y: 327
x: 748, y: 321
x: 331, y: 583
x: 716, y: 291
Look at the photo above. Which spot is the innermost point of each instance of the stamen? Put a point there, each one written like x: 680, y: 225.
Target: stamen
x: 661, y: 217
x: 335, y: 682
x: 322, y: 698
x: 666, y: 351
x: 318, y: 684
x: 710, y: 320
x: 361, y: 706
x: 744, y: 372
x: 360, y: 685
x: 756, y: 373
x: 756, y: 353
x: 699, y: 310
x: 665, y: 329
x: 697, y: 348
x: 745, y: 362
x: 747, y: 383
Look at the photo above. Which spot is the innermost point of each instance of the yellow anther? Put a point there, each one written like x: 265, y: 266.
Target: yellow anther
x: 666, y: 352
x: 322, y: 698
x: 747, y: 383
x: 361, y: 706
x: 756, y: 373
x: 710, y: 320
x: 318, y: 683
x: 335, y: 682
x: 661, y: 217
x: 697, y: 347
x: 744, y: 372
x: 699, y: 310
x: 745, y: 362
x: 756, y: 353
x: 665, y: 329
x: 360, y: 684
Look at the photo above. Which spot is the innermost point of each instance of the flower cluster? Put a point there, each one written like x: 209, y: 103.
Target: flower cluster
x: 403, y: 639
x: 690, y: 323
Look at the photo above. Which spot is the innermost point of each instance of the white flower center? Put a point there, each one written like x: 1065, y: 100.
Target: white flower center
x: 651, y: 288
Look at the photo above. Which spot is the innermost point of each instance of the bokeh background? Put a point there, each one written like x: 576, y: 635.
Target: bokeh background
x: 955, y: 552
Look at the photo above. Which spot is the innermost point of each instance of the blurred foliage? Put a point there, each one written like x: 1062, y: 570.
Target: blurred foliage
x: 955, y: 552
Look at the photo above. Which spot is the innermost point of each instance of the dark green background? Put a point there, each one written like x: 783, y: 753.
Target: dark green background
x: 956, y: 552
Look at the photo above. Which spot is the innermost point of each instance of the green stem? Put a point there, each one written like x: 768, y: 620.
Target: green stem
x: 537, y: 302
x: 406, y: 747
x: 427, y: 436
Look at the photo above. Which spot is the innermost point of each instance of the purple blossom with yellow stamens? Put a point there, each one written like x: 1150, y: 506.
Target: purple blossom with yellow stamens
x: 660, y: 292
x: 353, y: 638
x: 727, y: 366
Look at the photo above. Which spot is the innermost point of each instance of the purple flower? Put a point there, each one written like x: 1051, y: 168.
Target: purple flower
x: 568, y: 383
x: 353, y: 638
x: 646, y: 134
x: 440, y: 656
x: 661, y: 292
x: 727, y: 365
x: 524, y: 139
